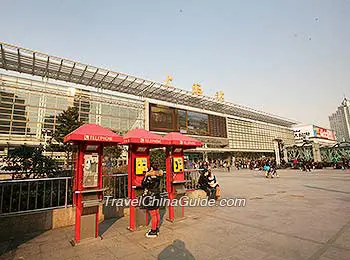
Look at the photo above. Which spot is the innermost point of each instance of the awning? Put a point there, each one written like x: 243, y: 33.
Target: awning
x: 178, y: 139
x: 93, y: 133
x: 142, y: 136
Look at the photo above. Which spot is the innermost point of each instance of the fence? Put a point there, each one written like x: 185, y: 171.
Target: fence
x: 34, y: 194
x: 116, y: 185
x: 192, y: 176
x: 28, y: 195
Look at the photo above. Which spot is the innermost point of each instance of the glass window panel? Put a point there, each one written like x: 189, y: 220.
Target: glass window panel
x: 7, y: 106
x: 106, y: 122
x: 105, y: 109
x: 62, y: 103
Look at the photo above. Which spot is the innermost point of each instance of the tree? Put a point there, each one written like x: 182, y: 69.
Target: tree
x: 29, y: 162
x: 66, y: 122
x: 158, y: 155
x: 113, y: 152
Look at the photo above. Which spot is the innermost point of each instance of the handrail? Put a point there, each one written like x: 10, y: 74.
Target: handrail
x: 34, y: 180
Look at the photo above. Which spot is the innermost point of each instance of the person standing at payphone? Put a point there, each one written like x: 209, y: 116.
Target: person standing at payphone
x: 151, y: 186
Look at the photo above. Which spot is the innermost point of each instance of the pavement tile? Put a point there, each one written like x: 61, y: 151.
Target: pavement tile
x: 121, y: 248
x: 337, y: 254
x: 283, y: 246
x: 139, y: 256
x: 98, y: 254
x: 159, y: 241
x: 344, y: 240
x: 242, y: 252
x: 68, y: 253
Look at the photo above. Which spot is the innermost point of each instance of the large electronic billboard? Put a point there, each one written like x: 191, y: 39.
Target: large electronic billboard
x: 162, y: 118
x: 197, y: 123
x: 324, y: 133
x: 167, y: 119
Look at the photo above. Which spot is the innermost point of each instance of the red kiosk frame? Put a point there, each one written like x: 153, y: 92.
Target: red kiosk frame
x: 87, y: 185
x: 140, y: 141
x: 175, y: 169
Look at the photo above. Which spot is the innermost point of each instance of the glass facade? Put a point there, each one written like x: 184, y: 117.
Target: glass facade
x: 246, y: 135
x: 29, y: 108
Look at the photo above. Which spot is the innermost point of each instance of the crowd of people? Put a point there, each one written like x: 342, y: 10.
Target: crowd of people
x: 259, y: 164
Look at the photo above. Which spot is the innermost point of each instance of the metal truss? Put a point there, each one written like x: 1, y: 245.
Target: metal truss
x: 22, y: 60
x: 335, y: 154
x: 301, y: 153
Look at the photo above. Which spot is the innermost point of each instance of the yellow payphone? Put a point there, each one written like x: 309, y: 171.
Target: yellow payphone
x: 178, y: 164
x: 141, y: 165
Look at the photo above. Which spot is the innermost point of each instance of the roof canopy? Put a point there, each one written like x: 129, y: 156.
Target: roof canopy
x: 93, y: 133
x: 39, y: 64
x: 178, y: 139
x: 142, y: 136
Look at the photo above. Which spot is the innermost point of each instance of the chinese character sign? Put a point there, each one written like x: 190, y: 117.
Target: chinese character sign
x: 219, y: 95
x: 197, y: 89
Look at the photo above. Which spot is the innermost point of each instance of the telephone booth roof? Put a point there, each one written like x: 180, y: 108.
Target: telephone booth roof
x: 178, y: 139
x: 93, y: 133
x: 142, y: 136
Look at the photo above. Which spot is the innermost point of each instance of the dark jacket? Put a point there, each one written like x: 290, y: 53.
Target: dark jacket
x: 203, y: 181
x: 151, y: 185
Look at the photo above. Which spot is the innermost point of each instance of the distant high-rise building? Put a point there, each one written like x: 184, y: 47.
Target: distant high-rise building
x: 340, y: 121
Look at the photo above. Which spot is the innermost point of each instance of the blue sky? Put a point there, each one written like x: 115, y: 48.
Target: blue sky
x: 287, y: 57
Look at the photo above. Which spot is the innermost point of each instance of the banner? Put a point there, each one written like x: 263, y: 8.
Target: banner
x: 324, y: 133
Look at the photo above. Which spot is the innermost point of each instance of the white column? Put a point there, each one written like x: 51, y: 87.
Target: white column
x: 285, y: 154
x: 41, y: 115
x: 316, y: 152
x: 205, y: 156
x: 277, y: 152
x: 146, y: 126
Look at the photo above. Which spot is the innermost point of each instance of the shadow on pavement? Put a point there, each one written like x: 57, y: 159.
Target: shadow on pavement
x: 105, y: 225
x: 13, y: 243
x: 177, y: 250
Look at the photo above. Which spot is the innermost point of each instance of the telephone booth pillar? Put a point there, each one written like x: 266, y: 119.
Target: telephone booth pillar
x: 175, y: 169
x: 87, y: 182
x: 140, y: 142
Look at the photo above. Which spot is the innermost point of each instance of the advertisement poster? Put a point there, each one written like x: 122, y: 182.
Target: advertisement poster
x: 162, y: 118
x: 324, y: 133
x: 197, y: 123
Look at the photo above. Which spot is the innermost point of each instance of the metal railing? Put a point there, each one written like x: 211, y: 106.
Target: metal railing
x: 192, y: 177
x: 29, y: 195
x: 17, y: 196
x: 116, y: 185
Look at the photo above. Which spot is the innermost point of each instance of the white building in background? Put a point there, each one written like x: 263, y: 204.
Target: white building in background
x: 340, y: 121
x: 312, y: 133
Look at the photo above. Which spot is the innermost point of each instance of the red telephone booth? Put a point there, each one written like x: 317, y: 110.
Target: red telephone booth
x: 175, y: 169
x: 140, y: 142
x: 87, y: 187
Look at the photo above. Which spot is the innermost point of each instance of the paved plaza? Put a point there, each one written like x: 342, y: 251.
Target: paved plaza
x: 297, y: 216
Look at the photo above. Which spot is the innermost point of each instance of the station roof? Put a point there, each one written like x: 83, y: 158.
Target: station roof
x: 142, y: 136
x: 22, y: 60
x: 178, y: 139
x: 93, y: 133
